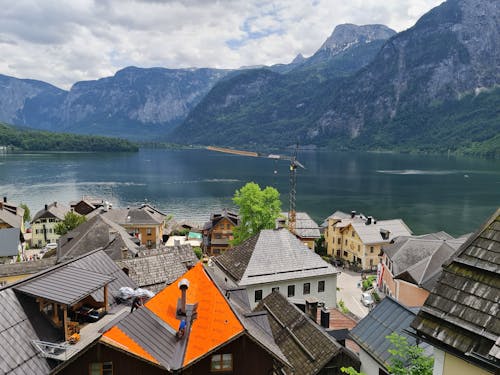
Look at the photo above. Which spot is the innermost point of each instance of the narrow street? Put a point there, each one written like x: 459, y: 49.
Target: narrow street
x: 350, y: 293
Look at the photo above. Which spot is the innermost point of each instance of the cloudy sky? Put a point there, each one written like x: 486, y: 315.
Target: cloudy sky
x: 62, y: 42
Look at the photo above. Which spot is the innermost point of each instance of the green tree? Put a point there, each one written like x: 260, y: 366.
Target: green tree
x: 351, y: 371
x: 407, y: 359
x: 70, y: 222
x: 27, y: 213
x: 259, y: 210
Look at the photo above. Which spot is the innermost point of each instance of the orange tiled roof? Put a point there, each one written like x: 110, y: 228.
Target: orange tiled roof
x: 215, y: 324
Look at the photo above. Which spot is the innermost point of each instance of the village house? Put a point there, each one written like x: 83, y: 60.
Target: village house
x: 306, y: 229
x: 41, y: 313
x: 189, y: 328
x: 358, y: 239
x: 411, y: 266
x: 273, y: 260
x: 144, y: 222
x: 218, y: 232
x: 370, y: 334
x: 44, y: 222
x: 460, y: 318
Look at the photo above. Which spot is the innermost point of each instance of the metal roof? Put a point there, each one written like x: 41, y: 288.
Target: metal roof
x: 66, y: 285
x: 387, y: 317
x: 8, y: 217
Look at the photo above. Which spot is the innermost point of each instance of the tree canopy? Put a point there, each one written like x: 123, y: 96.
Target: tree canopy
x: 27, y: 212
x: 258, y: 209
x: 70, y: 222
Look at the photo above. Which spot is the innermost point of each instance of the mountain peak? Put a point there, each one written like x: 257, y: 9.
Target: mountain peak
x: 346, y: 35
x: 298, y: 59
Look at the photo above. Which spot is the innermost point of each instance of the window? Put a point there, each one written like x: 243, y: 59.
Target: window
x: 258, y: 295
x: 359, y: 248
x: 149, y: 243
x: 307, y: 288
x: 346, y: 242
x: 148, y: 231
x: 275, y: 289
x: 228, y: 226
x: 221, y: 362
x: 352, y: 234
x: 216, y: 251
x: 339, y: 241
x: 345, y: 253
x: 321, y: 286
x: 218, y: 236
x: 98, y: 368
x: 371, y: 249
x: 291, y: 290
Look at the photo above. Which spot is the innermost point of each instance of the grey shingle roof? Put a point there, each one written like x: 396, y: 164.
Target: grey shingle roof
x: 158, y: 269
x: 272, y: 255
x: 370, y: 234
x: 306, y: 345
x: 66, y: 285
x: 305, y: 227
x: 8, y: 217
x: 9, y: 242
x: 462, y: 312
x: 16, y: 333
x: 54, y: 209
x: 418, y: 259
x: 387, y: 317
x: 143, y: 215
x: 97, y: 232
x: 154, y: 335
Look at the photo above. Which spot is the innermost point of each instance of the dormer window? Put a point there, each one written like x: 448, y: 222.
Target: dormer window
x: 221, y: 362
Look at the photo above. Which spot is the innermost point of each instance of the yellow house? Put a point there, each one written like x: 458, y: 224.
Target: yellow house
x: 144, y: 222
x: 461, y: 317
x: 44, y: 222
x: 358, y: 239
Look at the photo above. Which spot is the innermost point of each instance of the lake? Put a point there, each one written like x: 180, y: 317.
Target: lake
x: 430, y: 193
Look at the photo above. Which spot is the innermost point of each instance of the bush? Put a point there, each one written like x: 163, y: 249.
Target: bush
x: 343, y: 307
x: 198, y: 252
x: 368, y: 282
x: 376, y: 297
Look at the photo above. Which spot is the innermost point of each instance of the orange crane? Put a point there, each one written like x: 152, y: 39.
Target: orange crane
x: 294, y: 164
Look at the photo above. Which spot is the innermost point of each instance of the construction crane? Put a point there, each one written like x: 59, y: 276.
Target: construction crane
x: 294, y: 164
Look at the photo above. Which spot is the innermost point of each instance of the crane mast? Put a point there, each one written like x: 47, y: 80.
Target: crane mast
x: 294, y: 164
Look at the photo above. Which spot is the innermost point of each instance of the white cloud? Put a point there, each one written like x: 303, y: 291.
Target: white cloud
x: 62, y: 42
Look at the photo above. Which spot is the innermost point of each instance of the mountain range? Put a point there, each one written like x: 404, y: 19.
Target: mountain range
x: 433, y: 87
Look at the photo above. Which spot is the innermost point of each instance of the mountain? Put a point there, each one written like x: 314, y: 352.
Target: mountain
x: 449, y: 56
x: 134, y: 103
x: 240, y: 108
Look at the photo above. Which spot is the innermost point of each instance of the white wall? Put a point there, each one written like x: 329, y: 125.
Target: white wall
x: 368, y: 365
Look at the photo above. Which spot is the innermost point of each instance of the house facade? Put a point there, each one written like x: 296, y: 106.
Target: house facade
x: 461, y: 316
x: 145, y: 223
x: 358, y: 239
x: 44, y: 222
x: 187, y: 328
x: 411, y: 266
x: 275, y: 260
x: 218, y: 232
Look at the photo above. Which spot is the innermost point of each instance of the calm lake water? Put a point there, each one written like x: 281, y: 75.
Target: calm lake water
x: 429, y: 193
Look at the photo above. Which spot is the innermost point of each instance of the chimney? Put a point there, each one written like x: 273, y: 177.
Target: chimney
x: 177, y: 243
x: 369, y: 220
x: 46, y: 207
x: 183, y: 286
x: 353, y: 213
x: 325, y: 318
x: 312, y: 308
x: 4, y: 199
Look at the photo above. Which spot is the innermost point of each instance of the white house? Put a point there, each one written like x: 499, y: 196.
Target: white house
x: 276, y: 260
x: 43, y: 223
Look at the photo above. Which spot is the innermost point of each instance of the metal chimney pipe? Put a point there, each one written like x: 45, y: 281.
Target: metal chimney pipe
x: 183, y: 286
